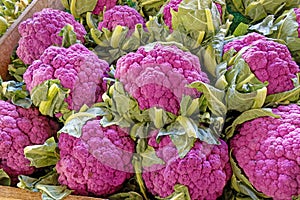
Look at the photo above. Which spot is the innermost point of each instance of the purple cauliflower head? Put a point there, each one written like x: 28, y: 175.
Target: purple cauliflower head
x: 158, y: 77
x: 20, y: 127
x: 41, y: 31
x: 268, y: 149
x: 97, y: 163
x: 205, y: 169
x: 121, y: 15
x: 77, y: 68
x: 108, y: 4
x: 268, y: 60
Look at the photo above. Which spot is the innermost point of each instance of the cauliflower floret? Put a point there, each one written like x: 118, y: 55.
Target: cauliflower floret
x: 268, y: 149
x: 158, y: 77
x: 98, y: 162
x: 205, y: 169
x: 41, y: 31
x: 20, y: 127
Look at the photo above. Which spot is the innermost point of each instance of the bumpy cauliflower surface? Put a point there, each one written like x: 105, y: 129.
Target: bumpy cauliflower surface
x: 97, y: 163
x: 268, y: 149
x: 121, y: 15
x: 205, y: 169
x: 20, y: 127
x: 41, y: 31
x: 77, y: 68
x: 158, y: 76
x: 268, y: 60
x: 108, y: 4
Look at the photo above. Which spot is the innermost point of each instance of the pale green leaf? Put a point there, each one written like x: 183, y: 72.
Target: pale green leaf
x: 42, y: 155
x: 137, y: 164
x: 181, y: 192
x: 79, y: 7
x: 49, y: 96
x: 214, y: 97
x: 75, y: 122
x: 47, y: 185
x: 56, y: 192
x: 150, y: 158
x: 16, y: 92
x: 244, y: 90
x: 4, y: 178
x: 283, y: 97
x: 69, y: 36
x: 266, y: 27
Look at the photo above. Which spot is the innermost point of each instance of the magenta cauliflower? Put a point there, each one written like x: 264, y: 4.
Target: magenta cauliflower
x: 121, y: 15
x: 108, y: 4
x: 77, y: 68
x: 20, y: 127
x: 268, y: 149
x: 97, y: 163
x: 205, y: 169
x: 41, y: 31
x: 268, y: 60
x: 157, y: 75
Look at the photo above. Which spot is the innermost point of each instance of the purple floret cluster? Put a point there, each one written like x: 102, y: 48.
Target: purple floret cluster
x: 122, y: 16
x: 158, y: 77
x: 20, y: 127
x: 268, y: 149
x: 268, y: 60
x: 238, y: 44
x: 97, y: 163
x: 205, y: 169
x: 77, y: 68
x: 41, y: 31
x: 108, y: 4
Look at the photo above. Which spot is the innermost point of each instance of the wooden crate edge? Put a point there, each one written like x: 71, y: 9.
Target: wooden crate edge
x: 12, y: 193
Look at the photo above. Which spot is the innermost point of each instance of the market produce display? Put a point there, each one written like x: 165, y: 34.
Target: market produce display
x: 154, y: 100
